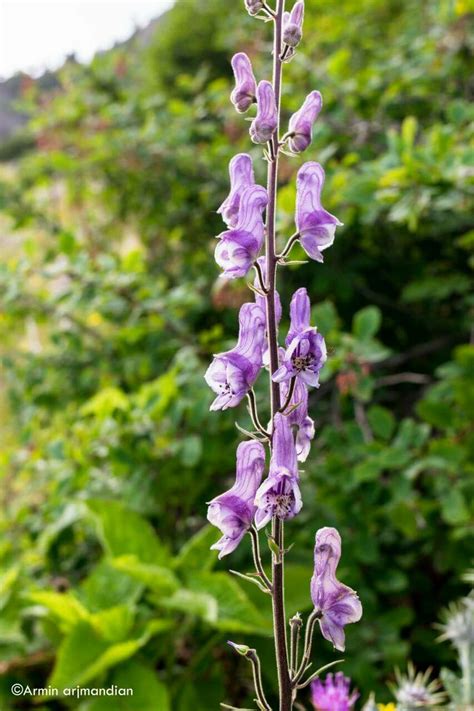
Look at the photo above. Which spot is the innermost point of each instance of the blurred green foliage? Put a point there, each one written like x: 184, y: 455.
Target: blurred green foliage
x: 110, y: 310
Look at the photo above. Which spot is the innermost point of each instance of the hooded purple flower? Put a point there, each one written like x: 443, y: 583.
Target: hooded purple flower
x: 279, y: 495
x: 298, y: 416
x: 232, y: 374
x: 238, y: 248
x: 241, y: 177
x: 243, y: 95
x: 265, y: 122
x: 301, y: 123
x: 306, y: 353
x: 233, y: 511
x: 293, y: 26
x: 254, y: 6
x: 333, y: 694
x: 316, y: 226
x: 338, y: 604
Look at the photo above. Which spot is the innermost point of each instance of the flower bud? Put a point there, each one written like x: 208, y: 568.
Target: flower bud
x: 264, y: 124
x: 243, y: 96
x: 253, y: 7
x: 293, y: 29
x: 301, y: 123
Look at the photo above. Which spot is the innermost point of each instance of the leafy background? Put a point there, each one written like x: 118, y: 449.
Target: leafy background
x: 110, y: 309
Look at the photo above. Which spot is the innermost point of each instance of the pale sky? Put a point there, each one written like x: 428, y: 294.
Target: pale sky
x: 38, y: 34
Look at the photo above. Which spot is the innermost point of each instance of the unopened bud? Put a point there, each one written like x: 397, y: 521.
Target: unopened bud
x: 253, y: 6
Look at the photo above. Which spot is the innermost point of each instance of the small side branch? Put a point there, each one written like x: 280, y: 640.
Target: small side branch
x: 262, y: 702
x: 254, y: 414
x: 257, y: 559
x: 291, y: 390
x: 308, y: 643
x: 289, y: 245
x: 261, y: 280
x: 295, y: 628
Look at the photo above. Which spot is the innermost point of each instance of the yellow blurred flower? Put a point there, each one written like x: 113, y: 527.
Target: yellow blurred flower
x: 387, y: 707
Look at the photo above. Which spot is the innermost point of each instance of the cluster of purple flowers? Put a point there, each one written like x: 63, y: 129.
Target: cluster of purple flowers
x: 253, y: 501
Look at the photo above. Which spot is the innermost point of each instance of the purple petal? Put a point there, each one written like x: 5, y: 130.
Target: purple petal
x: 283, y: 448
x: 315, y: 225
x: 301, y: 123
x: 293, y: 25
x: 300, y: 309
x: 241, y: 176
x: 265, y: 122
x: 243, y: 96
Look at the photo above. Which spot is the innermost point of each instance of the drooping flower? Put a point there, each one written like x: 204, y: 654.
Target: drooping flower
x: 293, y: 26
x: 304, y: 358
x: 253, y: 6
x: 333, y: 694
x: 244, y: 93
x: 300, y: 126
x: 238, y: 248
x: 279, y: 495
x: 232, y: 373
x: 316, y: 226
x: 241, y: 177
x: 298, y: 416
x: 337, y: 604
x: 415, y: 690
x: 300, y: 314
x: 233, y: 511
x: 265, y: 122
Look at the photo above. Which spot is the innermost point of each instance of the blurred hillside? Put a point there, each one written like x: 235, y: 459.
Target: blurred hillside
x: 111, y: 308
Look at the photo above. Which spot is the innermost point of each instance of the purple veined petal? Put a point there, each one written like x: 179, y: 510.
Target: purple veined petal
x: 300, y: 313
x: 241, y: 176
x: 227, y: 376
x: 338, y: 604
x: 301, y: 123
x: 304, y: 358
x: 279, y: 496
x: 333, y: 694
x: 304, y: 437
x: 235, y: 253
x: 254, y: 6
x: 283, y: 448
x: 253, y: 202
x: 251, y: 337
x: 232, y: 511
x: 293, y: 25
x: 265, y: 122
x: 315, y: 225
x: 282, y: 374
x: 243, y: 95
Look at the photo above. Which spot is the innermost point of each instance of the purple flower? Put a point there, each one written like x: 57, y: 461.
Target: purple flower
x: 253, y: 6
x: 338, y: 604
x: 298, y: 416
x: 241, y: 177
x: 261, y: 301
x: 301, y: 123
x: 238, y: 248
x: 316, y: 226
x: 333, y: 694
x: 306, y: 353
x: 293, y: 27
x: 243, y: 95
x: 233, y: 511
x: 279, y: 495
x: 232, y: 374
x: 300, y: 313
x: 265, y: 122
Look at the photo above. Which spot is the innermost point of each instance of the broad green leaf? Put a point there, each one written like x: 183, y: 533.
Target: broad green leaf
x: 106, y: 402
x: 149, y: 693
x: 366, y: 322
x: 157, y: 578
x: 199, y: 604
x: 124, y: 532
x: 381, y: 421
x: 64, y: 608
x: 107, y: 586
x: 196, y: 553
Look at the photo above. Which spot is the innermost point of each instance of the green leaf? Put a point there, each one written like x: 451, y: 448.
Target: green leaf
x: 199, y: 604
x: 149, y: 693
x: 366, y: 322
x: 381, y: 421
x: 454, y: 508
x: 157, y: 578
x: 106, y: 402
x: 107, y: 586
x: 124, y: 532
x: 196, y: 553
x: 84, y: 654
x: 64, y: 608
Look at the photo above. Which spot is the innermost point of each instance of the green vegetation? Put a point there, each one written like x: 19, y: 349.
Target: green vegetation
x: 110, y: 310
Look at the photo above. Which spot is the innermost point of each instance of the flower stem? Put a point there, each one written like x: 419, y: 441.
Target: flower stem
x: 257, y: 559
x: 257, y: 680
x: 308, y: 643
x: 278, y: 597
